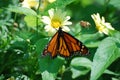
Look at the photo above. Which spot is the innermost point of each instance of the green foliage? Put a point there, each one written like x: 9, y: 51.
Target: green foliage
x: 50, y: 64
x: 47, y: 76
x: 80, y: 66
x: 110, y: 52
x: 60, y: 3
x: 31, y: 21
x: 23, y: 39
x: 22, y: 10
x: 116, y: 3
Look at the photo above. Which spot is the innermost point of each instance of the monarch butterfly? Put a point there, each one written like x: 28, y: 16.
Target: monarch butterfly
x: 65, y: 45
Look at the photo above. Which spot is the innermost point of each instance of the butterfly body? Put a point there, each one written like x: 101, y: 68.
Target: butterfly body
x: 65, y: 45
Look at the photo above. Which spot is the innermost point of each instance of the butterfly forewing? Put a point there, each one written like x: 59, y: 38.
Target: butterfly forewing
x: 52, y: 46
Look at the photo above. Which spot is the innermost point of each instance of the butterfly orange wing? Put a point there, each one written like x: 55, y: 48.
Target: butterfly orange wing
x: 65, y: 45
x: 71, y: 46
x: 52, y: 46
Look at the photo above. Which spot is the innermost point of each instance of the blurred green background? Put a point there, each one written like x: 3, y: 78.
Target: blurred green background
x: 23, y: 39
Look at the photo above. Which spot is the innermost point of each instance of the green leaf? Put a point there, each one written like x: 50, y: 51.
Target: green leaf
x: 2, y: 77
x: 80, y: 66
x: 40, y: 45
x: 81, y: 62
x: 47, y: 76
x: 89, y: 37
x: 106, y: 53
x: 115, y: 34
x: 115, y: 3
x: 115, y: 79
x: 49, y: 64
x: 60, y: 3
x: 23, y: 35
x: 76, y: 29
x: 93, y: 44
x: 111, y: 73
x: 31, y: 20
x: 22, y: 10
x: 86, y: 2
x: 36, y: 36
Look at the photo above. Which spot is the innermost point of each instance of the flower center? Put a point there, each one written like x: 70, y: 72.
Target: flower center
x: 100, y: 27
x: 55, y: 23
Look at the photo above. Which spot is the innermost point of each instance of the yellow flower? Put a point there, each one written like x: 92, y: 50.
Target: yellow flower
x: 101, y: 25
x: 43, y: 5
x: 56, y: 19
x: 30, y: 3
x: 51, y: 1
